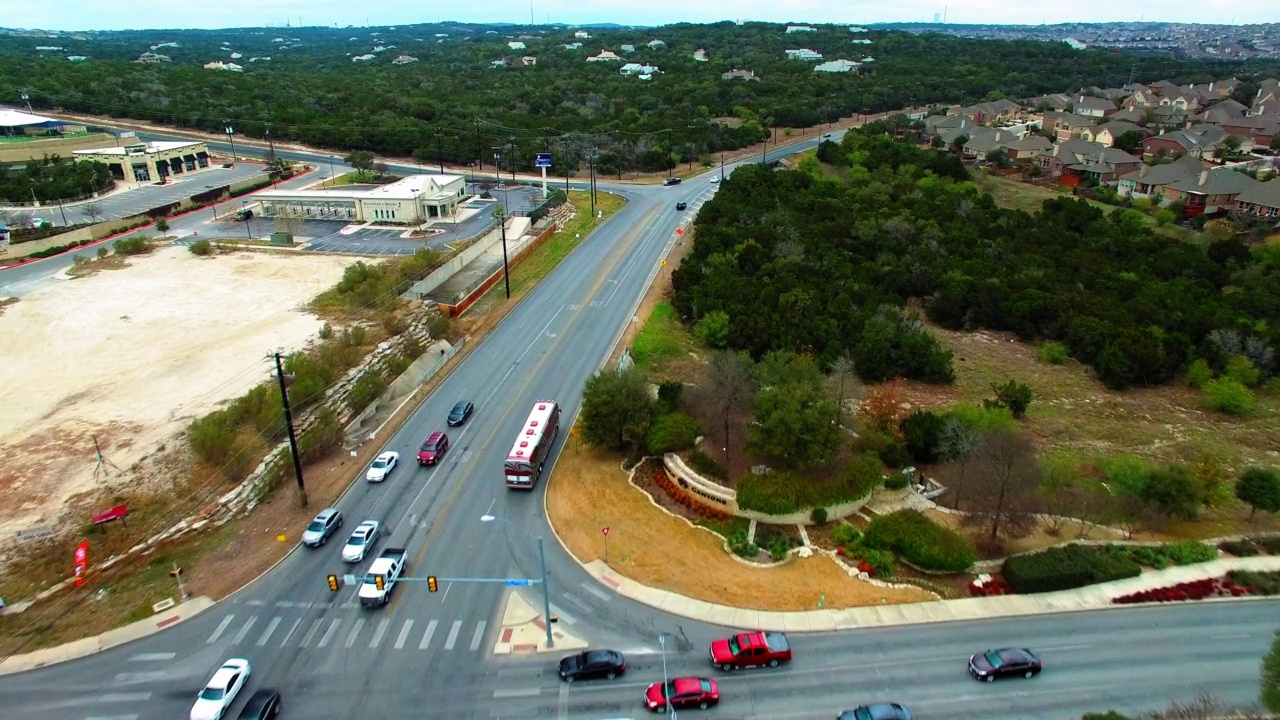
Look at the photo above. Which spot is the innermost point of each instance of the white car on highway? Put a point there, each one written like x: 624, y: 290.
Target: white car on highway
x: 361, y: 541
x: 382, y: 467
x: 215, y: 699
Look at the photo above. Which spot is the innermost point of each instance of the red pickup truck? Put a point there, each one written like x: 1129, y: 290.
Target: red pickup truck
x: 753, y: 649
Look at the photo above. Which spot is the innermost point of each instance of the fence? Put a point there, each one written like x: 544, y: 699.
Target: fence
x: 63, y: 201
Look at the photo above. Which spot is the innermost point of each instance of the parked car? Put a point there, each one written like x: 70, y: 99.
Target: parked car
x: 682, y: 693
x: 671, y: 181
x: 382, y: 466
x: 753, y: 649
x: 607, y: 664
x: 263, y: 704
x: 221, y: 690
x: 682, y: 205
x: 328, y: 521
x: 362, y: 539
x: 877, y: 711
x: 1005, y: 662
x: 460, y: 412
x: 433, y: 449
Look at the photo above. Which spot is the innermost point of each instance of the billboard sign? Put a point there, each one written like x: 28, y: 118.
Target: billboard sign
x: 82, y: 562
x: 542, y: 160
x: 107, y: 516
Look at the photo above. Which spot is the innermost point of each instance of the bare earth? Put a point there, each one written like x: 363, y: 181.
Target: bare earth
x: 131, y: 356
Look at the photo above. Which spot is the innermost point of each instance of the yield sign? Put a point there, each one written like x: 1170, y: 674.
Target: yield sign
x: 605, y: 531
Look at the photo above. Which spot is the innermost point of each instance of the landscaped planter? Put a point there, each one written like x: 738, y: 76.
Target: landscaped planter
x: 985, y: 586
x: 1182, y: 592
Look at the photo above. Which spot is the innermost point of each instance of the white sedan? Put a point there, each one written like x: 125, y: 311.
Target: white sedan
x: 212, y: 702
x: 382, y: 467
x: 364, y: 537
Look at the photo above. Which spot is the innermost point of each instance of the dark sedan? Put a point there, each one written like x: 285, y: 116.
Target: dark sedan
x: 607, y: 664
x: 1005, y: 662
x: 460, y: 412
x: 263, y: 705
x: 877, y: 711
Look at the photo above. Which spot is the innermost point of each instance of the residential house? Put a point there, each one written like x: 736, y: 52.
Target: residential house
x: 798, y: 28
x: 1183, y: 99
x: 236, y: 56
x: 528, y: 60
x: 404, y: 60
x: 1028, y: 148
x: 1158, y: 87
x: 1176, y: 143
x: 994, y: 111
x: 860, y: 41
x: 1090, y: 106
x: 1259, y: 129
x: 77, y: 58
x: 573, y: 46
x: 836, y: 66
x: 1075, y: 44
x: 1078, y: 161
x: 867, y: 59
x: 604, y: 56
x: 516, y: 45
x: 150, y: 57
x: 803, y: 54
x: 700, y: 55
x: 219, y: 65
x: 656, y: 44
x: 1056, y: 101
x: 740, y: 75
x: 264, y: 58
x: 857, y: 29
x: 1224, y: 111
x: 1107, y: 133
x: 1169, y: 117
x: 582, y: 34
x: 1137, y: 116
x: 1147, y: 180
x: 363, y: 58
x: 1210, y: 135
x: 643, y: 71
x: 1261, y: 200
x: 1210, y: 193
x: 1142, y: 98
x: 496, y: 64
x: 628, y: 48
x: 983, y: 140
x: 941, y: 124
x: 1071, y: 126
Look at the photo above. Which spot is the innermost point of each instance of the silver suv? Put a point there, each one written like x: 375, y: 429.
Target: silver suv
x: 325, y: 524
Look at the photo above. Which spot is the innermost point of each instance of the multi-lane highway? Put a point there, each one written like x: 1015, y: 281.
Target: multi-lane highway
x: 427, y: 654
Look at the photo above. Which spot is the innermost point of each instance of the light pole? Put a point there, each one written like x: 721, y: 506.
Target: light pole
x: 497, y: 166
x: 248, y: 229
x: 271, y: 146
x: 232, y: 138
x: 546, y: 593
x: 332, y: 176
x: 500, y: 213
x: 662, y: 640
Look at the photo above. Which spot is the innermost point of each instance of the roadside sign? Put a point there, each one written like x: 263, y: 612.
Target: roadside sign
x: 107, y: 516
x: 542, y: 160
x: 605, y: 531
x: 348, y: 579
x: 32, y: 534
x: 82, y: 562
x: 519, y: 583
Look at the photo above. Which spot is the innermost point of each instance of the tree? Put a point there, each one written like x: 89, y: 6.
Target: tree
x: 998, y: 157
x: 842, y: 367
x: 793, y: 424
x: 1270, y: 695
x: 937, y: 143
x: 881, y: 410
x: 162, y: 225
x: 92, y: 210
x: 957, y: 445
x: 381, y: 169
x: 1129, y: 141
x: 1259, y: 488
x: 1013, y: 396
x: 616, y: 409
x: 713, y: 329
x: 361, y: 160
x: 922, y: 435
x: 732, y: 382
x: 1005, y: 483
x: 1173, y: 489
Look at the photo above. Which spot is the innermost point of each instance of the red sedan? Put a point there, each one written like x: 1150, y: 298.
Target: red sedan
x: 681, y: 693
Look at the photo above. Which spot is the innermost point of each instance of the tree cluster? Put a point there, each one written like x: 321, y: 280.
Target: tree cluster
x: 52, y: 178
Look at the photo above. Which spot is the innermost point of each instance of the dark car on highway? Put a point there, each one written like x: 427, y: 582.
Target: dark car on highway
x: 877, y: 711
x: 607, y: 664
x: 460, y: 412
x: 1005, y: 662
x: 671, y: 181
x: 263, y: 705
x: 681, y: 205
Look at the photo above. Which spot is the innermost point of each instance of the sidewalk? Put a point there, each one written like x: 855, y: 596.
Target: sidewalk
x: 1092, y: 597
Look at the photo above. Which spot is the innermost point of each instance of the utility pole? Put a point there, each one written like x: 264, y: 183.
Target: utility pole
x: 722, y: 167
x: 176, y: 572
x: 501, y: 213
x: 439, y: 151
x: 479, y: 157
x: 591, y: 186
x: 667, y: 161
x: 231, y: 136
x: 293, y: 438
x: 511, y: 157
x: 27, y: 99
x: 271, y: 146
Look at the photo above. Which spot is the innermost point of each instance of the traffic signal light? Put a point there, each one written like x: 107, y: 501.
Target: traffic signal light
x: 333, y: 583
x: 431, y: 583
x: 380, y: 582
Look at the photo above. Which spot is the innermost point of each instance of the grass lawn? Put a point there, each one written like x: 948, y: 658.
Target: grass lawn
x: 351, y: 178
x: 662, y: 339
x: 1017, y: 195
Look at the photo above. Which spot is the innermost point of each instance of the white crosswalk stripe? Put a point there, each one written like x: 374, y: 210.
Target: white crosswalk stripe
x: 321, y: 632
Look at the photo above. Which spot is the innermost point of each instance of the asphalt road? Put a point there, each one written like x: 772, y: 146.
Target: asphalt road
x: 427, y: 654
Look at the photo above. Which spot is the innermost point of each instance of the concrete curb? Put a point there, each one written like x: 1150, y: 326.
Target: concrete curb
x: 105, y: 641
x: 1093, y: 597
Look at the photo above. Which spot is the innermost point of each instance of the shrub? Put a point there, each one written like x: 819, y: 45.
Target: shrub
x: 366, y: 390
x: 672, y: 432
x: 1128, y: 472
x: 740, y: 546
x: 704, y: 465
x: 896, y: 481
x: 915, y: 538
x: 213, y: 438
x: 922, y: 434
x: 1239, y: 548
x: 1199, y: 373
x: 1012, y: 395
x: 1269, y: 545
x: 860, y: 476
x: 1188, y: 552
x: 780, y: 492
x: 881, y: 562
x: 846, y: 534
x: 818, y: 516
x: 1240, y: 369
x: 779, y: 547
x: 669, y: 394
x: 1063, y: 568
x: 1175, y: 491
x: 1228, y: 396
x: 1108, y: 715
x: 1259, y: 487
x: 713, y: 329
x: 133, y: 246
x: 895, y: 456
x: 1258, y: 582
x: 102, y: 252
x: 202, y: 248
x: 1054, y: 353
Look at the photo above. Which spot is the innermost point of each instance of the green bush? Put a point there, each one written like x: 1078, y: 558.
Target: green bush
x: 1189, y: 552
x: 1199, y: 373
x: 740, y: 546
x: 895, y: 456
x: 214, y: 437
x: 915, y: 538
x: 881, y: 562
x: 669, y: 393
x: 366, y: 390
x: 1228, y: 396
x: 201, y: 248
x: 672, y: 432
x: 1261, y: 582
x: 922, y: 434
x: 860, y: 476
x: 778, y: 548
x: 139, y: 245
x: 1239, y: 548
x: 1269, y: 544
x: 1054, y: 353
x: 782, y: 493
x: 1063, y: 568
x: 818, y: 516
x: 846, y: 535
x: 896, y: 481
x: 704, y: 465
x: 1242, y: 370
x: 1159, y: 557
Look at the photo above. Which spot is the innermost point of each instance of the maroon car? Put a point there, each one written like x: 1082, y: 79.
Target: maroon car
x: 433, y: 449
x: 681, y: 693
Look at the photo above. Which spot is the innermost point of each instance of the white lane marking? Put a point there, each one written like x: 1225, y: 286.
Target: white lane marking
x: 221, y: 626
x: 149, y: 657
x: 382, y: 629
x: 328, y: 634
x: 311, y: 632
x: 271, y: 627
x: 475, y: 639
x: 292, y: 630
x: 1236, y: 636
x: 112, y: 717
x: 355, y: 631
x: 244, y: 630
x: 123, y: 697
x: 426, y: 637
x: 576, y: 601
x: 453, y: 635
x: 1061, y: 648
x: 140, y: 676
x: 404, y: 635
x: 516, y: 692
x: 596, y: 591
x: 255, y: 602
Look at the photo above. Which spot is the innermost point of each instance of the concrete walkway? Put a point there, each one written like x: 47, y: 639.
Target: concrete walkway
x: 1092, y: 597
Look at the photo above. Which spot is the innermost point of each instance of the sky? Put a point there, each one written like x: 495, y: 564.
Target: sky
x: 140, y: 14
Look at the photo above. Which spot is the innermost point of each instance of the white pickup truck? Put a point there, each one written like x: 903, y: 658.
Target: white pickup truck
x: 381, y: 579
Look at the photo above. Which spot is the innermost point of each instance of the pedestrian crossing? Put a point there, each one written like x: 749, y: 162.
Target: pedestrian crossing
x: 410, y: 634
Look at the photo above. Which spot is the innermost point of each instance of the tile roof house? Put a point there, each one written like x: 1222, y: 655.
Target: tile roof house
x: 836, y: 66
x: 1176, y: 143
x: 1107, y: 132
x: 528, y: 60
x: 219, y: 65
x: 993, y: 111
x: 1094, y: 106
x: 803, y: 54
x: 1210, y: 193
x: 656, y: 44
x: 1055, y: 101
x: 1137, y: 116
x: 404, y: 60
x: 700, y: 55
x: 1258, y: 128
x: 1141, y: 99
x: 1080, y: 160
x: 940, y: 124
x: 1071, y: 126
x: 151, y: 57
x: 1028, y: 148
x: 983, y: 140
x: 1147, y: 180
x: 740, y: 75
x: 604, y: 56
x: 1222, y: 112
x: 628, y: 48
x: 516, y: 45
x: 1261, y: 200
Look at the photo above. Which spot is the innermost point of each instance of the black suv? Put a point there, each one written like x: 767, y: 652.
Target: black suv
x: 263, y: 705
x: 681, y: 205
x: 671, y: 181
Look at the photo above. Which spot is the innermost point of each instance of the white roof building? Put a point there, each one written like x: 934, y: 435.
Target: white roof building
x: 516, y: 45
x: 798, y: 28
x: 363, y: 58
x: 582, y: 34
x: 803, y: 54
x: 836, y: 66
x: 412, y: 200
x: 404, y: 60
x: 604, y: 56
x: 219, y: 65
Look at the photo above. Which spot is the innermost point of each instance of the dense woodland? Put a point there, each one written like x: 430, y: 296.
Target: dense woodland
x: 452, y: 102
x: 52, y: 178
x: 845, y: 245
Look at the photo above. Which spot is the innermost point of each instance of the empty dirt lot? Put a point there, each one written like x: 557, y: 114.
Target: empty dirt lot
x: 131, y: 356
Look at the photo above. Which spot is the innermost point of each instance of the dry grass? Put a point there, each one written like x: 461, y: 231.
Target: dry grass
x: 589, y: 491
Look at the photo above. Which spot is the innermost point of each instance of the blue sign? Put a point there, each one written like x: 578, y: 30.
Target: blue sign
x: 519, y: 583
x: 542, y: 160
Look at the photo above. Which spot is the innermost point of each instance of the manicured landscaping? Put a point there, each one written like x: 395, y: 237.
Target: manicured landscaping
x: 1203, y: 589
x: 1064, y: 568
x: 917, y: 540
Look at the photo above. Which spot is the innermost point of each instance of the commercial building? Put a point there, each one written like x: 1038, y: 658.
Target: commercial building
x: 149, y: 161
x: 413, y: 200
